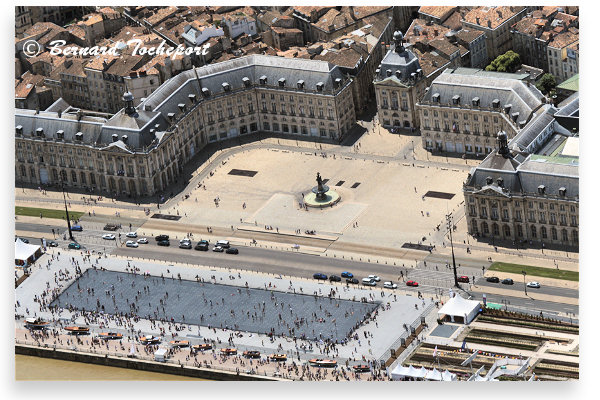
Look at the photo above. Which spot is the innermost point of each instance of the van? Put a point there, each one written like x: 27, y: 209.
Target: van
x: 223, y: 243
x: 369, y: 282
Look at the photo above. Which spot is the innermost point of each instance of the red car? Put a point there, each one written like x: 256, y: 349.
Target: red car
x: 412, y: 283
x: 464, y: 279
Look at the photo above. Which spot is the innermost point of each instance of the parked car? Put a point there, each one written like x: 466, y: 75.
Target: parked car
x: 131, y: 243
x: 218, y: 249
x: 108, y: 236
x: 335, y: 278
x: 352, y: 280
x: 320, y: 276
x: 74, y: 246
x: 163, y: 243
x: 131, y: 235
x: 111, y: 227
x: 493, y: 279
x: 24, y: 240
x: 369, y: 282
x: 390, y: 285
x: 374, y: 277
x: 52, y: 243
x: 185, y: 240
x: 463, y: 279
x: 161, y: 237
x: 142, y: 241
x: 232, y: 250
x: 77, y: 228
x: 223, y: 243
x: 202, y: 245
x: 347, y: 275
x: 185, y: 245
x: 412, y: 283
x: 507, y: 281
x: 535, y: 285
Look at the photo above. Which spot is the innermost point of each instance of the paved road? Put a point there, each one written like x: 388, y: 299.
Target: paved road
x: 519, y: 287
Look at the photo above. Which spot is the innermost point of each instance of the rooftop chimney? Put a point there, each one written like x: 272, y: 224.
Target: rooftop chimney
x: 129, y: 108
x: 503, y: 144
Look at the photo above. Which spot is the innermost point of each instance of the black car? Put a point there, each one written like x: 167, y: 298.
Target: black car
x: 185, y: 245
x: 110, y: 227
x: 352, y: 280
x: 322, y: 277
x: 52, y: 244
x: 493, y: 279
x: 163, y: 243
x: 335, y: 278
x: 202, y: 245
x: 161, y: 238
x: 507, y: 281
x: 232, y: 250
x: 24, y: 240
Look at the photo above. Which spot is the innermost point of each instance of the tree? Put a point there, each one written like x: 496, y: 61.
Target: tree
x: 507, y: 62
x: 546, y: 84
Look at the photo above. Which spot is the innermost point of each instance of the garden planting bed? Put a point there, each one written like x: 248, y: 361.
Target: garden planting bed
x: 527, y: 321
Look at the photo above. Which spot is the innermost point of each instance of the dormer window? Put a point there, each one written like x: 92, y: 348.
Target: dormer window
x: 60, y: 134
x: 300, y: 84
x: 226, y: 86
x: 281, y: 82
x: 475, y: 101
x: 489, y: 180
x: 496, y: 103
x: 320, y: 86
x: 79, y: 136
x: 39, y: 132
x: 115, y: 137
x: 192, y: 98
x: 246, y: 81
x: 181, y: 107
x: 562, y: 191
x: 436, y: 97
x: 456, y: 99
x: 542, y: 189
x: 263, y: 80
x: 19, y: 130
x: 388, y: 72
x: 205, y: 92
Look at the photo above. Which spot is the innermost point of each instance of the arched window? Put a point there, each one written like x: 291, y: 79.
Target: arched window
x: 495, y: 230
x: 565, y: 237
x: 506, y: 231
x: 544, y: 233
x: 533, y: 231
x: 484, y: 228
x: 554, y: 233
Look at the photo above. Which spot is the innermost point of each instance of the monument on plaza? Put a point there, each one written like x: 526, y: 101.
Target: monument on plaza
x: 321, y: 196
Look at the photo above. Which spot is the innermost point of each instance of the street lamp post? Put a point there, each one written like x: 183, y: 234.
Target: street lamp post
x: 67, y: 211
x: 449, y: 219
x: 524, y: 284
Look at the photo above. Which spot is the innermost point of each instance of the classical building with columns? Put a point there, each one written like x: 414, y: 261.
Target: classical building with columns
x: 399, y: 83
x: 141, y: 150
x: 528, y: 189
x: 464, y: 108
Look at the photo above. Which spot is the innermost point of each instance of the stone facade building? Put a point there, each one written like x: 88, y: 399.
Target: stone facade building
x: 528, y: 189
x: 399, y: 83
x: 464, y: 108
x: 140, y: 150
x: 495, y: 22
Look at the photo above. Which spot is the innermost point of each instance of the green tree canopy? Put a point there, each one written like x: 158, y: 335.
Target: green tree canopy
x: 507, y: 62
x: 546, y: 83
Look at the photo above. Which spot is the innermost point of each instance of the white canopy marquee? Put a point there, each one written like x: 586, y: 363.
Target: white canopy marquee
x: 25, y: 253
x: 465, y: 309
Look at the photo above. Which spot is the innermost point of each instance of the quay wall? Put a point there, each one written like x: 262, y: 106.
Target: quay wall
x: 144, y: 365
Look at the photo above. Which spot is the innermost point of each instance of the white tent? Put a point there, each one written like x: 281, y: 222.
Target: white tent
x: 421, y: 373
x: 25, y: 253
x: 459, y: 307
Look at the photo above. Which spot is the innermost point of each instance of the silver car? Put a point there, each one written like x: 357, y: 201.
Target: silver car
x: 131, y: 243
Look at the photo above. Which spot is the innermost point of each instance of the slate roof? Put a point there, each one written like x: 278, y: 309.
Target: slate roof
x: 406, y: 62
x: 176, y: 90
x: 488, y: 87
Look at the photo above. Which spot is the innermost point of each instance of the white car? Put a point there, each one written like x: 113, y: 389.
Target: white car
x: 369, y: 282
x: 390, y: 285
x: 142, y: 241
x: 535, y: 285
x: 218, y: 249
x: 374, y: 277
x: 108, y: 236
x: 131, y: 243
x: 131, y: 235
x: 185, y: 240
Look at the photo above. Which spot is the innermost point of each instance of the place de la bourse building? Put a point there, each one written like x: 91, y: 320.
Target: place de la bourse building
x: 140, y: 150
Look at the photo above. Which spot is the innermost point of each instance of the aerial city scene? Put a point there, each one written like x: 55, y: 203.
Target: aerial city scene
x: 297, y: 193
